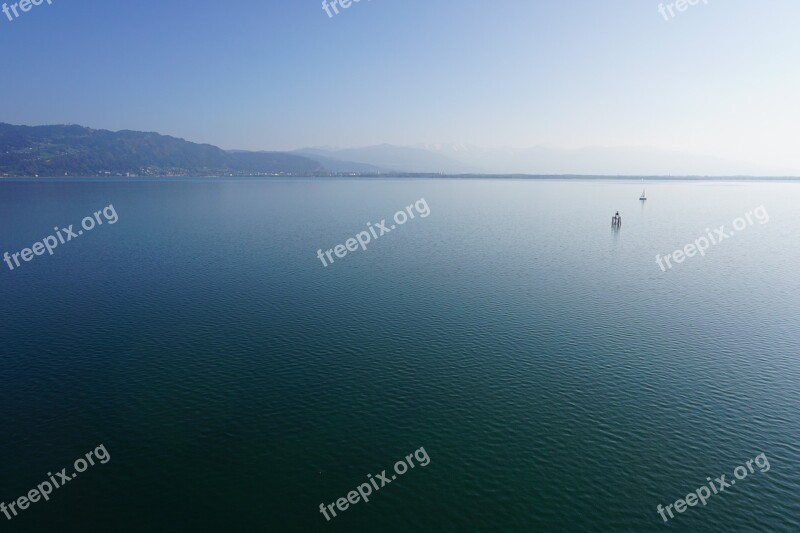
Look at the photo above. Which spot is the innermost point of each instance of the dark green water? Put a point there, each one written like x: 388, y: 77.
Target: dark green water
x: 556, y: 377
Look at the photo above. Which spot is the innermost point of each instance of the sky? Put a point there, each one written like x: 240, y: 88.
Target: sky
x: 718, y: 79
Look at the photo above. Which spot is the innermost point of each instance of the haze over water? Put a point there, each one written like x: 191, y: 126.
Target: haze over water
x: 557, y: 378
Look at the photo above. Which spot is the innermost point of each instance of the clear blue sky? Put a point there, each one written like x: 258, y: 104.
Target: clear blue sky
x: 720, y: 78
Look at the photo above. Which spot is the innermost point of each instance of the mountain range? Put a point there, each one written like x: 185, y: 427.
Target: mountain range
x: 71, y: 150
x: 79, y: 151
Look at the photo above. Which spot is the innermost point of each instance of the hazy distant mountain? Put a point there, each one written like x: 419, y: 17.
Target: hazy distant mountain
x: 469, y: 159
x: 394, y: 158
x: 79, y: 151
x: 332, y: 164
x: 597, y: 161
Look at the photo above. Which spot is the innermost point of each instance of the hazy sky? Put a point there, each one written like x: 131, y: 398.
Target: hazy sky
x: 720, y: 78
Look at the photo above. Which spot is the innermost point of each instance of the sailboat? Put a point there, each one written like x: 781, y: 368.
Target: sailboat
x: 643, y: 196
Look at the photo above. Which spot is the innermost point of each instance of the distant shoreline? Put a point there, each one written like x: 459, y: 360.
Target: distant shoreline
x: 577, y: 177
x: 70, y: 150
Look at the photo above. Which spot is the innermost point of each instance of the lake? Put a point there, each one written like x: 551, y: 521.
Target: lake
x: 557, y: 378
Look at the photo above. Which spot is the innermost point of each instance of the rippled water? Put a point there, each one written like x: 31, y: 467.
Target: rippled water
x: 557, y: 378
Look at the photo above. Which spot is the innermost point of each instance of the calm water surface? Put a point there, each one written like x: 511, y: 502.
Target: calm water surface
x: 556, y: 377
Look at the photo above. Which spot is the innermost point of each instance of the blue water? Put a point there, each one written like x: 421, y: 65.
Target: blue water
x: 557, y: 378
